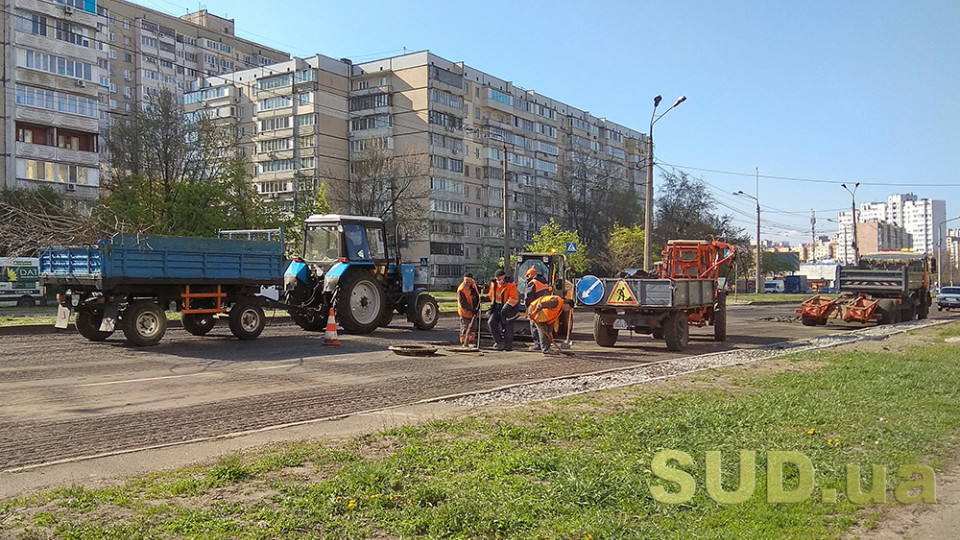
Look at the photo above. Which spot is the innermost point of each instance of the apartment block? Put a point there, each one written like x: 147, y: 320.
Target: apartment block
x: 920, y: 217
x: 461, y: 120
x: 76, y: 67
x: 50, y: 115
x: 291, y: 119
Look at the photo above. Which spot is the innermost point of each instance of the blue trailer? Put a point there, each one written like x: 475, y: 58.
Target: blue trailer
x: 129, y: 281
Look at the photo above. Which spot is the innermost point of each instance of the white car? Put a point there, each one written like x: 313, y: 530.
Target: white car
x: 949, y: 298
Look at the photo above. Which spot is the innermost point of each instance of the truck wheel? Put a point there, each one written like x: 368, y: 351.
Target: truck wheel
x: 676, y: 331
x: 924, y: 305
x: 809, y: 321
x: 720, y: 319
x: 360, y: 303
x: 144, y: 324
x: 657, y: 333
x: 888, y: 311
x: 198, y: 324
x: 313, y: 322
x: 26, y: 302
x: 247, y: 319
x: 604, y: 335
x: 428, y: 312
x: 88, y: 324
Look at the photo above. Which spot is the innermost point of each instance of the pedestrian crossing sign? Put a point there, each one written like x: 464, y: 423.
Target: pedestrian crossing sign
x: 621, y: 295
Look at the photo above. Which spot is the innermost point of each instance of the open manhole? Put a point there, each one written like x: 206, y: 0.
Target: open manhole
x: 413, y: 350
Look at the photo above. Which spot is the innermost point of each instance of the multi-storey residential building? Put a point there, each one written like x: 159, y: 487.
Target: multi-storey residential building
x: 291, y: 119
x: 920, y: 217
x: 74, y: 67
x: 872, y: 235
x: 461, y: 119
x: 52, y: 61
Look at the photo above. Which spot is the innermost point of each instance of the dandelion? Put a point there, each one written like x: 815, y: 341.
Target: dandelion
x: 658, y: 427
x: 829, y: 442
x: 375, y: 496
x: 811, y: 432
x: 351, y: 505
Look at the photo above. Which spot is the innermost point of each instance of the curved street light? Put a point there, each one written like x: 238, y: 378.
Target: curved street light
x: 853, y: 215
x: 648, y: 201
x: 942, y: 230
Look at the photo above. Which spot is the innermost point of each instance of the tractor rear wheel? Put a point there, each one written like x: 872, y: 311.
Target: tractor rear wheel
x: 360, y: 303
x: 720, y: 318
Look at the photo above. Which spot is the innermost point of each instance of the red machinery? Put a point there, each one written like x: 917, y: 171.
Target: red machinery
x: 700, y: 259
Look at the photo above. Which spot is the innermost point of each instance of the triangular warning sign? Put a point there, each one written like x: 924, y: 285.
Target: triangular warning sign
x: 621, y: 295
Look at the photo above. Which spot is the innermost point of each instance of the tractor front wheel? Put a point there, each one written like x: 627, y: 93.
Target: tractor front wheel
x: 360, y: 303
x: 428, y: 313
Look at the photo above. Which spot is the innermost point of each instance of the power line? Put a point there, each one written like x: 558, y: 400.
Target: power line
x: 812, y: 180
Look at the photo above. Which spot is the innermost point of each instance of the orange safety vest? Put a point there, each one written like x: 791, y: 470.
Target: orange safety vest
x: 504, y: 294
x: 467, y: 287
x: 546, y: 309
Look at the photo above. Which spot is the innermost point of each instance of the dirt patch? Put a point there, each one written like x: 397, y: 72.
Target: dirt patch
x: 378, y: 448
x: 918, y: 521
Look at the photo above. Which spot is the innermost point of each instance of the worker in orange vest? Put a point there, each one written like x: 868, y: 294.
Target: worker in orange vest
x: 504, y: 300
x: 468, y: 306
x: 545, y: 312
x: 536, y: 287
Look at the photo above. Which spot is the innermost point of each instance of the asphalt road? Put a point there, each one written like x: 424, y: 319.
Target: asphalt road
x: 63, y: 397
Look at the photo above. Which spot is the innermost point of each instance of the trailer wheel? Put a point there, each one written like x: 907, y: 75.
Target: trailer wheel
x: 313, y: 322
x: 88, y: 324
x: 889, y: 311
x: 360, y: 302
x: 144, y: 323
x: 428, y: 312
x: 604, y: 335
x: 809, y: 321
x: 720, y: 318
x: 247, y: 319
x: 676, y: 331
x: 198, y: 324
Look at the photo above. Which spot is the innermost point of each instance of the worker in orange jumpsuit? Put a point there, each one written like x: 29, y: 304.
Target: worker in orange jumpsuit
x: 504, y: 299
x: 536, y: 287
x: 468, y: 307
x: 545, y: 312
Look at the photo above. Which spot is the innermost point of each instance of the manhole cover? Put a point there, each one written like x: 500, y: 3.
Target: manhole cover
x: 413, y: 350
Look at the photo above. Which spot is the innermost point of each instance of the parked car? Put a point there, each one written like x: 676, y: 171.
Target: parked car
x: 949, y: 298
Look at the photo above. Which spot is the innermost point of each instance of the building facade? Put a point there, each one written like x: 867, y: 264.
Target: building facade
x: 920, y: 217
x: 75, y: 67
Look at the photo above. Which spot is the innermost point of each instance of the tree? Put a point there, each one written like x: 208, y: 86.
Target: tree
x: 310, y: 201
x: 552, y: 238
x: 390, y: 187
x: 176, y: 174
x: 623, y: 250
x: 592, y: 195
x: 686, y: 210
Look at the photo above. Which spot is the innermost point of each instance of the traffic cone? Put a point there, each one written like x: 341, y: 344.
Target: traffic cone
x: 330, y: 339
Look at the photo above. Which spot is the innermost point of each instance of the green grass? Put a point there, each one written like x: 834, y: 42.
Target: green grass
x: 575, y: 468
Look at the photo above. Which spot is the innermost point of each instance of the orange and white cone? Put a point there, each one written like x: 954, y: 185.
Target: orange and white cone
x: 330, y: 339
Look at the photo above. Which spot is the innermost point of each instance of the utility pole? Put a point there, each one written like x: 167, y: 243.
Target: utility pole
x: 506, y: 219
x: 759, y: 248
x: 813, y: 235
x: 853, y: 215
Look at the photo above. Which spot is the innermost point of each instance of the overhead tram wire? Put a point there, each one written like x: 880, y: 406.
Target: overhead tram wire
x: 811, y: 180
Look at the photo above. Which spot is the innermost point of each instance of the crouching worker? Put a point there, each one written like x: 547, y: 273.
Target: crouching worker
x: 545, y: 313
x: 504, y: 299
x: 468, y: 306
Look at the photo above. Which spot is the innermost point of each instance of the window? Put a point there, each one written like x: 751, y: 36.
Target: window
x: 369, y: 102
x: 305, y: 98
x: 56, y: 101
x: 306, y: 120
x: 275, y: 103
x: 497, y: 95
x: 446, y: 248
x: 446, y: 120
x: 371, y: 122
x: 446, y: 77
x: 31, y: 23
x: 446, y: 98
x: 446, y: 207
x: 445, y: 184
x: 275, y: 123
x: 306, y: 142
x: 57, y: 65
x: 450, y: 164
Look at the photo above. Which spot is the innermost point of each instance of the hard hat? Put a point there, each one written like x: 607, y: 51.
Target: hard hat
x: 532, y: 271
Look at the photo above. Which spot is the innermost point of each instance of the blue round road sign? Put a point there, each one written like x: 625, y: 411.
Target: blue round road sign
x: 590, y: 290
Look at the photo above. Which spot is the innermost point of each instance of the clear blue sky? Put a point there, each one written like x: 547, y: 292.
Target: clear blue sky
x: 835, y: 91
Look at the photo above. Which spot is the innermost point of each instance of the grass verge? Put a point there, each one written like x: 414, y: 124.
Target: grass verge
x: 576, y: 468
x: 769, y: 298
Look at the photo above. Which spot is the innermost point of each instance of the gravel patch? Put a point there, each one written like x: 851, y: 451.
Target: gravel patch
x: 617, y: 378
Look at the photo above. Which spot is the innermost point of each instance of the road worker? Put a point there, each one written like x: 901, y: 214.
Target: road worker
x: 536, y: 287
x: 504, y: 300
x: 545, y: 312
x: 468, y: 307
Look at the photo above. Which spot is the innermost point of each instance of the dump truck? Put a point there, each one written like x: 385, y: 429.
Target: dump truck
x: 884, y: 287
x: 684, y: 291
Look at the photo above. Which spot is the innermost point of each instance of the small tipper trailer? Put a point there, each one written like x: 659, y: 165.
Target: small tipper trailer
x: 683, y: 292
x: 885, y: 287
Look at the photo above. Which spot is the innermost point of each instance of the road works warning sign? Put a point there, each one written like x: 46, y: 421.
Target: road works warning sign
x: 621, y: 295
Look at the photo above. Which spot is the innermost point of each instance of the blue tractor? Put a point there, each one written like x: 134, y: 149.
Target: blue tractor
x: 345, y: 264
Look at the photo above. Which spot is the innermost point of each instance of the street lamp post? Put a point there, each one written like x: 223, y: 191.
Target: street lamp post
x: 648, y: 200
x: 942, y: 229
x: 506, y: 222
x: 853, y: 215
x: 759, y: 288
